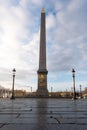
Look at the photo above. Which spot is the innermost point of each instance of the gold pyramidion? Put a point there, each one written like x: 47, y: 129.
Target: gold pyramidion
x: 43, y: 10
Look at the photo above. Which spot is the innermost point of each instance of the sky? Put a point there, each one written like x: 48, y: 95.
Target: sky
x: 66, y: 43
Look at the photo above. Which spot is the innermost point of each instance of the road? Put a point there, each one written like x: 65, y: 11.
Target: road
x: 43, y: 114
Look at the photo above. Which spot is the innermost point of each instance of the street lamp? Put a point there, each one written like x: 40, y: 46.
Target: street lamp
x: 51, y: 90
x: 31, y: 89
x: 80, y: 91
x: 14, y: 71
x: 73, y: 75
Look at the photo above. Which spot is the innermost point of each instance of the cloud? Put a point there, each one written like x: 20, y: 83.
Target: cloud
x: 67, y: 36
x: 18, y: 43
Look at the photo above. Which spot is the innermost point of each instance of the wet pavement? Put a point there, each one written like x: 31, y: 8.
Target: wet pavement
x: 43, y: 114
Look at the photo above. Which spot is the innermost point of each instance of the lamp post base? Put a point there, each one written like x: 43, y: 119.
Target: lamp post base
x: 12, y: 97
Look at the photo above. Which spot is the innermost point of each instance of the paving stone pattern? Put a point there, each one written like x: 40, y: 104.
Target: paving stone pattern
x: 43, y: 114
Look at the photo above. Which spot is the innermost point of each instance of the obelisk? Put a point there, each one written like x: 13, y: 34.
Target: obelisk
x: 42, y: 71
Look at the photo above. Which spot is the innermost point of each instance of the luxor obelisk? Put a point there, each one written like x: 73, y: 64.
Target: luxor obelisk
x: 42, y: 71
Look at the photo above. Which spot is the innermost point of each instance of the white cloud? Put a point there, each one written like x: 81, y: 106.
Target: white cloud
x: 74, y: 5
x: 50, y: 21
x: 18, y: 46
x: 66, y: 36
x: 38, y: 2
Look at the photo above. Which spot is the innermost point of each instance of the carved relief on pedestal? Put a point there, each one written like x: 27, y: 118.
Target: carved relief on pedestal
x: 42, y: 80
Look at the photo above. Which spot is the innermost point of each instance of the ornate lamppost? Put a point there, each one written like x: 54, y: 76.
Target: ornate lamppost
x: 51, y: 91
x: 73, y: 75
x: 31, y: 89
x: 80, y: 91
x: 14, y: 71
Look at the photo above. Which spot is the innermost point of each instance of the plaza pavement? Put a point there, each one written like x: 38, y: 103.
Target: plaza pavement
x: 43, y: 114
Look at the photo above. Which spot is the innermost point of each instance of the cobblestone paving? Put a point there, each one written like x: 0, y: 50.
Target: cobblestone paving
x: 43, y: 114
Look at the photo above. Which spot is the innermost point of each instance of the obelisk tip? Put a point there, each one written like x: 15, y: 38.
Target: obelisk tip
x: 43, y: 10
